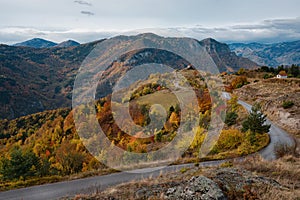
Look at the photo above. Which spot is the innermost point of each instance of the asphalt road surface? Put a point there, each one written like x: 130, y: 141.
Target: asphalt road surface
x: 93, y: 184
x: 89, y: 185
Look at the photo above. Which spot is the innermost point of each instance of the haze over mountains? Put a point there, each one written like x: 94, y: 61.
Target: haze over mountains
x: 38, y: 75
x: 285, y: 53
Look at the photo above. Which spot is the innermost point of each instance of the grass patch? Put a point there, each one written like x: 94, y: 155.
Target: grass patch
x: 164, y: 98
x: 226, y: 164
x: 4, y: 186
x: 30, y: 182
x: 183, y: 170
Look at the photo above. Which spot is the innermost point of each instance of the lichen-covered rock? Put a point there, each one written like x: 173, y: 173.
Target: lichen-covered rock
x: 233, y: 179
x: 199, y: 187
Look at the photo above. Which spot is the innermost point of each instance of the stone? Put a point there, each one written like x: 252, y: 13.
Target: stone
x: 197, y: 188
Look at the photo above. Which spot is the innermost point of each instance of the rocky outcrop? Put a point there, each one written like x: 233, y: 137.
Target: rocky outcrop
x: 197, y: 188
x: 219, y: 184
x: 195, y: 184
x: 233, y: 179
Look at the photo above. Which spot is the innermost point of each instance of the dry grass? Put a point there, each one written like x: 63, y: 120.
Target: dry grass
x: 285, y: 170
x: 282, y: 150
x: 271, y: 94
x: 131, y: 190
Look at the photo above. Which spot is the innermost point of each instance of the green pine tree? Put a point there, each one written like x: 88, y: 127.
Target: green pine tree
x: 255, y: 122
x: 21, y: 164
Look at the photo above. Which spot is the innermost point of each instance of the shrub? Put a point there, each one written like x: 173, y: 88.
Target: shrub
x: 230, y: 118
x: 239, y: 82
x: 158, y: 136
x: 226, y: 164
x: 183, y: 170
x: 267, y: 76
x: 21, y: 164
x: 233, y: 103
x: 241, y: 71
x: 253, y: 142
x: 287, y: 104
x: 69, y: 159
x: 228, y: 140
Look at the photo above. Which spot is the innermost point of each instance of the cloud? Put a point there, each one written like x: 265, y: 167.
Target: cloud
x: 267, y: 31
x: 83, y: 3
x: 12, y: 35
x: 87, y: 13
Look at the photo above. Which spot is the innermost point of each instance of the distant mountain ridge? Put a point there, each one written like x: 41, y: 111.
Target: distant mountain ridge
x: 285, y: 53
x: 42, y: 43
x: 37, y: 79
x: 36, y: 43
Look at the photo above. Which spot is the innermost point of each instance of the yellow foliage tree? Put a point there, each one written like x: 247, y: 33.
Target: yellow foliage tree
x: 239, y: 82
x: 174, y: 119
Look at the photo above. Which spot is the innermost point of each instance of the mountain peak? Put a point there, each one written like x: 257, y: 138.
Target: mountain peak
x: 68, y: 43
x: 210, y: 40
x: 149, y: 34
x: 37, y: 43
x: 224, y: 58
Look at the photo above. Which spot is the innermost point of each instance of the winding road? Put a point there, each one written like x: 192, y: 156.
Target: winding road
x: 93, y: 184
x: 277, y: 135
x: 90, y: 185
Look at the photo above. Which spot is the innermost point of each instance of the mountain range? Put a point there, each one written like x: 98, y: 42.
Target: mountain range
x: 41, y: 43
x: 273, y: 55
x: 38, y: 79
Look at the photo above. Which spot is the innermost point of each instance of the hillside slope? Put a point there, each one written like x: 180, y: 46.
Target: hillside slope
x: 34, y: 80
x: 37, y: 79
x: 225, y: 59
x: 272, y: 93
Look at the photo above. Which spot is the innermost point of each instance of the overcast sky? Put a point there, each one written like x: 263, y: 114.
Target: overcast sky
x: 88, y: 20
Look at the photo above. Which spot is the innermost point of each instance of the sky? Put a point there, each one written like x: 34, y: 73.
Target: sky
x: 266, y: 21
